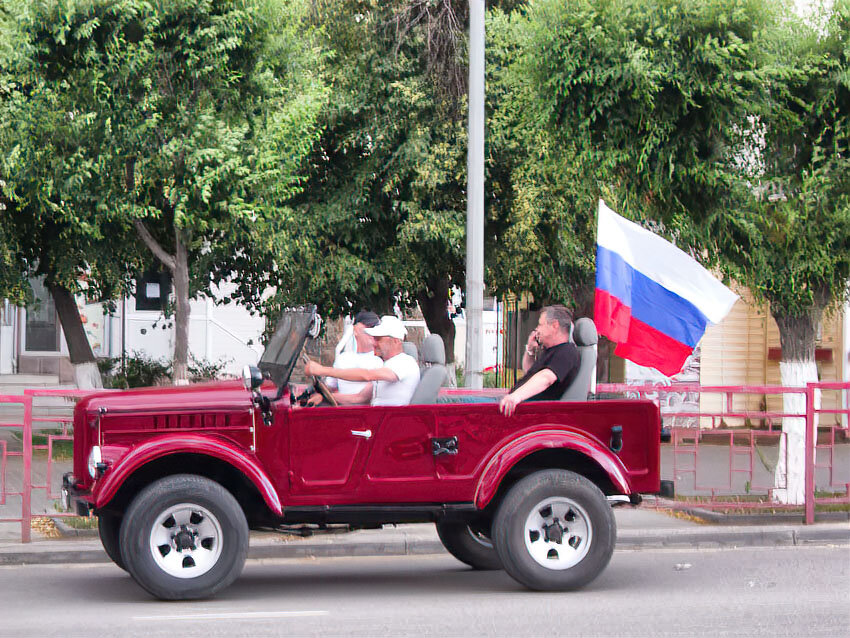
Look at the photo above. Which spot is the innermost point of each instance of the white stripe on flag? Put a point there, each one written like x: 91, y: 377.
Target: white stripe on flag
x: 665, y: 264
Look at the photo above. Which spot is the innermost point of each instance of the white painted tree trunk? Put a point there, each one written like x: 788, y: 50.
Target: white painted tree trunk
x: 790, y: 474
x: 451, y: 374
x: 87, y: 376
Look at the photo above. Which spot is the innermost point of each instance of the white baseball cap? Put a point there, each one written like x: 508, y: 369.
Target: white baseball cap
x: 390, y: 326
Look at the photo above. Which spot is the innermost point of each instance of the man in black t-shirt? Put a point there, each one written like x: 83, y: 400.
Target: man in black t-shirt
x: 550, y: 363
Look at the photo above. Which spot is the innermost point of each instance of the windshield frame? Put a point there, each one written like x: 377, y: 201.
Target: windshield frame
x: 286, y: 344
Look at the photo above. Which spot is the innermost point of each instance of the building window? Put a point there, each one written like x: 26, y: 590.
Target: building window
x: 152, y: 290
x: 42, y: 327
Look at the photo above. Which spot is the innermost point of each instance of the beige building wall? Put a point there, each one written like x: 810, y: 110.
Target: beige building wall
x: 737, y: 351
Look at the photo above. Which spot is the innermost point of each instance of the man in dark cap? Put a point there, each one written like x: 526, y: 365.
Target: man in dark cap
x: 363, y: 356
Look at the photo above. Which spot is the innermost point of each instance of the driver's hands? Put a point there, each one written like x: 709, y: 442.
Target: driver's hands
x: 314, y: 400
x: 313, y: 369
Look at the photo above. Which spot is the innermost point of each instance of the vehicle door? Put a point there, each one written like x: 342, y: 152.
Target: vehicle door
x: 360, y: 455
x: 328, y: 448
x: 400, y: 467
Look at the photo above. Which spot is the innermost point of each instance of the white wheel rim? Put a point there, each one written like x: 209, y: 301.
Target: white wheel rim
x: 186, y: 540
x: 558, y: 533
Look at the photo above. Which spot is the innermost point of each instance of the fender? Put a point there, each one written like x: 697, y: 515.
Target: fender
x: 514, y: 451
x: 166, y: 445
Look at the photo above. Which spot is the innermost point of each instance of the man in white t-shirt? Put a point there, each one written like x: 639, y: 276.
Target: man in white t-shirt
x: 391, y: 384
x: 348, y: 392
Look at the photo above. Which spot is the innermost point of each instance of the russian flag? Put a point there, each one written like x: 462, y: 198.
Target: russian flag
x: 652, y: 299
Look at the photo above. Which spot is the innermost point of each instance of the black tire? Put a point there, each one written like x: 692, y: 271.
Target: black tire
x: 468, y: 545
x: 186, y: 525
x: 108, y: 528
x: 568, y: 555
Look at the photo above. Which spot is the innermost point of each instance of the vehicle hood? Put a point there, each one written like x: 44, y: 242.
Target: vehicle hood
x: 216, y: 395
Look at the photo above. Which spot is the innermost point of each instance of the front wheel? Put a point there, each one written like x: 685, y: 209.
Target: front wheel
x: 184, y: 537
x: 108, y: 528
x: 554, y: 531
x: 468, y: 544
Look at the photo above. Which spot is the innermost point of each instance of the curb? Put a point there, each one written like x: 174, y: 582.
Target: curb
x: 722, y: 518
x: 657, y: 539
x: 67, y: 530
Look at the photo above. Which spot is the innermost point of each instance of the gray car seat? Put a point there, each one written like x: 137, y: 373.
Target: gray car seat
x: 408, y: 347
x: 433, y: 372
x: 585, y: 337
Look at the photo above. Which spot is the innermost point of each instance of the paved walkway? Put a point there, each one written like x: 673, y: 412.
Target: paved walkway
x: 638, y: 528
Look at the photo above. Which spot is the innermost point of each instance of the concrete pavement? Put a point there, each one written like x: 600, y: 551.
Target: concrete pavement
x: 638, y: 528
x: 775, y: 592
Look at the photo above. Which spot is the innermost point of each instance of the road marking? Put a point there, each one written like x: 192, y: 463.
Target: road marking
x: 236, y: 615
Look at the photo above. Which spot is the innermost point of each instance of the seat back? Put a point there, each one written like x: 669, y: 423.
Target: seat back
x: 433, y: 372
x: 585, y: 337
x: 408, y: 347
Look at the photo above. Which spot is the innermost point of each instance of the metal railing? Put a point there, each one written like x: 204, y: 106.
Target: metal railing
x: 714, y: 428
x: 34, y: 419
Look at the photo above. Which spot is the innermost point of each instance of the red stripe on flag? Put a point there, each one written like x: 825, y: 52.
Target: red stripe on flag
x: 636, y: 340
x: 611, y: 316
x: 649, y: 347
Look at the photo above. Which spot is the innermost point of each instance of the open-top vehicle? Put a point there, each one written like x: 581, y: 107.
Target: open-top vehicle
x: 177, y: 476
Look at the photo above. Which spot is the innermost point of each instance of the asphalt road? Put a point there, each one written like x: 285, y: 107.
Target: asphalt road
x: 795, y: 591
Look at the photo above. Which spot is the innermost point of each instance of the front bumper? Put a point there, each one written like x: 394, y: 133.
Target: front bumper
x: 75, y: 497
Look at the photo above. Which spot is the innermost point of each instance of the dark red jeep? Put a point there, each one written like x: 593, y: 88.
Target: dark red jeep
x: 177, y: 476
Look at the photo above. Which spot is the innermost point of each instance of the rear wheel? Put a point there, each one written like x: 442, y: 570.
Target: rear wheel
x: 184, y: 537
x: 469, y: 544
x: 108, y: 528
x: 554, y: 531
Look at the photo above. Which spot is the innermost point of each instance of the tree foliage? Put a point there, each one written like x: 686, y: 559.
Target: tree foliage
x: 382, y: 216
x: 57, y: 219
x: 721, y: 123
x: 788, y: 238
x: 542, y: 204
x: 193, y: 119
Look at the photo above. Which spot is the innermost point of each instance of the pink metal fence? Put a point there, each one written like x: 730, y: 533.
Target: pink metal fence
x: 28, y: 426
x: 698, y: 428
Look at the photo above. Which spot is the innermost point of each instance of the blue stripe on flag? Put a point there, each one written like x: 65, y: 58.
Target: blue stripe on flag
x: 650, y: 302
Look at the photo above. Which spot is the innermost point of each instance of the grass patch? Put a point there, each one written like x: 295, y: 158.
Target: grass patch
x: 62, y: 450
x: 80, y: 522
x: 728, y: 504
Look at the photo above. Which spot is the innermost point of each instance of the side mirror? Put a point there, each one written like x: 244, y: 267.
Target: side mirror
x: 315, y: 327
x: 252, y: 378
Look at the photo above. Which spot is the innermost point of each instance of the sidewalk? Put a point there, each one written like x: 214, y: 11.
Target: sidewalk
x: 637, y: 528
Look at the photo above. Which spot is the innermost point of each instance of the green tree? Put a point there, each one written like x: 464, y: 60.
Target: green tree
x: 381, y: 219
x: 788, y: 238
x: 57, y: 225
x: 725, y: 123
x: 544, y: 206
x: 200, y: 113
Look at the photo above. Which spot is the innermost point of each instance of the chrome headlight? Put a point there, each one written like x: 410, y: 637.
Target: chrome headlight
x: 94, y: 460
x: 252, y: 378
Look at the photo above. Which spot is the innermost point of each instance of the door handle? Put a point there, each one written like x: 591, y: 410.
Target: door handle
x: 366, y: 434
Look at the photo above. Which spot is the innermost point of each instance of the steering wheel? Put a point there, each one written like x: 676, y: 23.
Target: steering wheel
x: 321, y: 386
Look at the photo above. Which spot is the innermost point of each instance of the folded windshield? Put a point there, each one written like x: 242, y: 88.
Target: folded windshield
x: 285, y: 346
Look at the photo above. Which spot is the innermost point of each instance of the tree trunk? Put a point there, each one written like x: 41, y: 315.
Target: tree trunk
x: 797, y: 335
x: 86, y: 373
x: 178, y: 265
x: 434, y: 303
x: 182, y: 309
